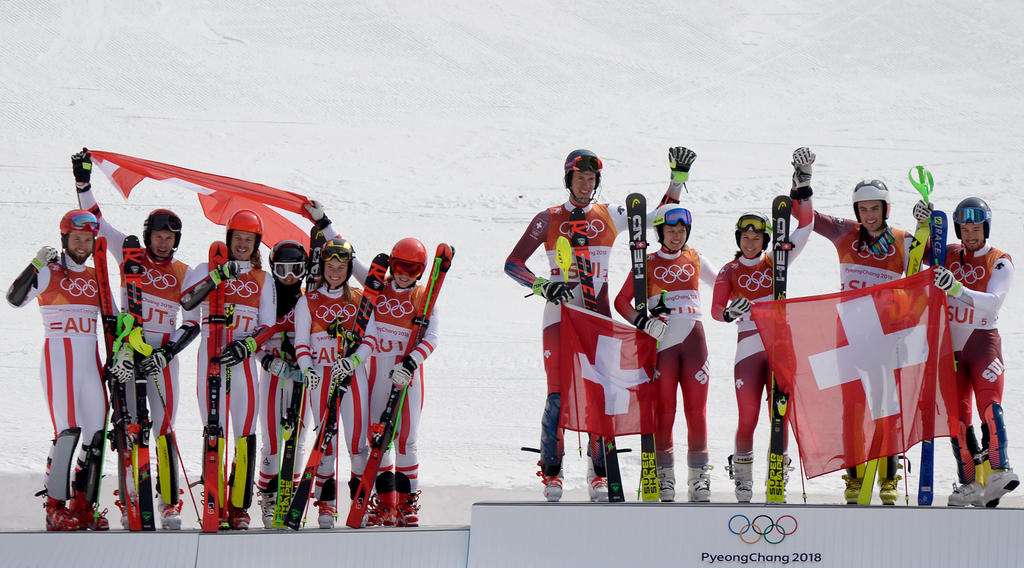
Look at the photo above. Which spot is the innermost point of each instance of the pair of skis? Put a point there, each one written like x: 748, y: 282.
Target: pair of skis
x: 130, y: 438
x: 383, y: 432
x: 372, y: 288
x: 778, y: 400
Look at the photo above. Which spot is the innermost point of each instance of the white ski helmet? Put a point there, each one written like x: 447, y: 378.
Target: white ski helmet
x: 671, y: 214
x: 871, y: 190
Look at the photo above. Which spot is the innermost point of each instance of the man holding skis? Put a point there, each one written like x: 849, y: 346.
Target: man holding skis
x: 582, y: 176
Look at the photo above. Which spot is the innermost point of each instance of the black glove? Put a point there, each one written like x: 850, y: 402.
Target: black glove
x: 156, y: 361
x: 680, y: 159
x: 238, y: 351
x: 553, y: 292
x: 81, y: 165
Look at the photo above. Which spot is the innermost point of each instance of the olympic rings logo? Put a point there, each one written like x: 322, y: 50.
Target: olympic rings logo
x: 331, y: 313
x: 762, y: 526
x: 675, y: 272
x: 241, y: 289
x: 756, y: 281
x: 967, y: 274
x: 395, y: 307
x: 79, y: 287
x: 594, y: 228
x: 865, y: 252
x: 158, y: 280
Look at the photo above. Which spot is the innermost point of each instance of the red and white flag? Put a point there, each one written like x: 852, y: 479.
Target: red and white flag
x: 606, y: 375
x: 219, y: 196
x: 869, y: 372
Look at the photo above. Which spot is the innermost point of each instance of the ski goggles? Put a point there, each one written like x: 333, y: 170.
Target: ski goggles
x: 971, y: 215
x: 283, y: 270
x: 752, y: 223
x: 335, y: 252
x: 406, y: 268
x: 165, y: 222
x: 674, y: 217
x: 85, y: 222
x: 584, y: 164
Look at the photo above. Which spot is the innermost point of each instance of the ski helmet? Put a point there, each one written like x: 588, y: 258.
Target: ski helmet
x: 77, y: 220
x: 753, y: 221
x: 409, y: 257
x: 871, y: 190
x: 288, y: 258
x: 671, y: 214
x: 246, y: 220
x: 972, y: 210
x: 582, y: 161
x: 161, y: 220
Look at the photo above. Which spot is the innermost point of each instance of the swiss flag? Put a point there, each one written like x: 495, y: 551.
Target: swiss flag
x: 870, y: 371
x: 606, y: 368
x: 220, y: 196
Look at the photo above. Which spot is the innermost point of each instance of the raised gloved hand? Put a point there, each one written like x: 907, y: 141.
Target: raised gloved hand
x: 156, y: 361
x: 736, y: 309
x: 803, y: 157
x: 81, y: 165
x: 553, y: 292
x: 312, y: 378
x: 123, y: 368
x: 680, y: 159
x: 316, y: 213
x: 45, y: 256
x: 238, y: 351
x: 923, y: 211
x: 344, y: 367
x: 945, y: 281
x: 227, y: 271
x: 401, y: 373
x: 655, y: 327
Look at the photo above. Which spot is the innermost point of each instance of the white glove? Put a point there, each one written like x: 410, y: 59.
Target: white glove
x: 736, y: 309
x: 803, y: 157
x: 655, y: 327
x: 315, y: 210
x: 923, y: 211
x: 401, y: 373
x: 945, y: 281
x: 45, y: 256
x: 280, y: 368
x: 312, y: 377
x: 124, y: 365
x: 344, y: 367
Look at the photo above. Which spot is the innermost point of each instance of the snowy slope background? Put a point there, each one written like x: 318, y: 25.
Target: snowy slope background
x: 449, y: 121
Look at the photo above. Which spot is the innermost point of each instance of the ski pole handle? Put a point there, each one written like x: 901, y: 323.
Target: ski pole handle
x: 924, y: 182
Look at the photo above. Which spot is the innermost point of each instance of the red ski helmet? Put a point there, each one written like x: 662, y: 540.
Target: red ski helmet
x: 409, y: 257
x: 246, y: 220
x: 77, y: 220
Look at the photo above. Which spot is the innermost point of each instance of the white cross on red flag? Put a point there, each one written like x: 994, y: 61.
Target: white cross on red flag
x: 869, y: 372
x: 606, y: 370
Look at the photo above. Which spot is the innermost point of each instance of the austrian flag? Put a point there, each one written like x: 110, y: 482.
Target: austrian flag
x: 869, y: 372
x: 606, y: 370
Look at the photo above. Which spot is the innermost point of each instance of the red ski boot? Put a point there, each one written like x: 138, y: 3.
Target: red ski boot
x: 58, y: 517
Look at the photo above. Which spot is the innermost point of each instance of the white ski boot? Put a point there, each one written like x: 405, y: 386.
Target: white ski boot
x: 552, y: 485
x: 170, y: 515
x: 327, y: 512
x: 700, y: 484
x: 268, y: 502
x: 741, y: 471
x: 666, y: 483
x: 598, y: 486
x: 968, y: 494
x: 999, y: 483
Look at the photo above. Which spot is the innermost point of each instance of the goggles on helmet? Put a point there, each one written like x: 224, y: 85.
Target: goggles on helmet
x: 971, y: 215
x: 283, y: 270
x: 165, y: 222
x: 674, y: 217
x: 406, y: 268
x: 331, y: 251
x: 584, y: 164
x: 85, y: 222
x: 751, y: 223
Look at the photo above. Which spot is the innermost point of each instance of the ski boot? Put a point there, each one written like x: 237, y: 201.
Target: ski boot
x: 598, y: 485
x: 888, y: 489
x: 268, y: 505
x: 238, y: 518
x: 385, y: 510
x: 89, y: 518
x: 328, y: 512
x: 409, y: 509
x: 666, y: 483
x: 58, y: 517
x: 552, y: 483
x: 741, y: 471
x: 170, y: 515
x: 700, y: 484
x: 968, y: 494
x: 999, y: 483
x: 852, y: 492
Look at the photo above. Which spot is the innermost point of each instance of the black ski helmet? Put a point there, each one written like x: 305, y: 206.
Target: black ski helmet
x: 161, y: 220
x: 340, y: 249
x: 582, y: 161
x: 972, y: 210
x: 754, y: 221
x: 290, y: 257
